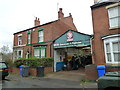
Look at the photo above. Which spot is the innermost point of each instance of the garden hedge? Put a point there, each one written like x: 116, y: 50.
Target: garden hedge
x: 34, y: 62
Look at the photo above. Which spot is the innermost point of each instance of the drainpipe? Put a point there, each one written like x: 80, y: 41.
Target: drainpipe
x: 91, y: 49
x: 31, y: 43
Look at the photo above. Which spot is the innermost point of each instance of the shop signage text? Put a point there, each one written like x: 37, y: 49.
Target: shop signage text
x: 68, y: 44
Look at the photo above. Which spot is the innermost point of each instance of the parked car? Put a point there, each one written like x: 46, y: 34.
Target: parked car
x: 3, y: 70
x: 110, y: 81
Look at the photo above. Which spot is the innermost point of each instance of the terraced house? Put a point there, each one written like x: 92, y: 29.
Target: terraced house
x: 37, y: 41
x: 106, y: 28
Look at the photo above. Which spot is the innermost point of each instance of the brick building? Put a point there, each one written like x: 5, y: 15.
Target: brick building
x: 37, y: 41
x: 106, y: 40
x: 106, y: 28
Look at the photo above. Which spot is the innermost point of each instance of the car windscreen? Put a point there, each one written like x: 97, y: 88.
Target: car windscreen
x: 3, y: 65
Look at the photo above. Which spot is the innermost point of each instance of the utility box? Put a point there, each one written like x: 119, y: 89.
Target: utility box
x: 101, y: 70
x: 59, y: 66
x: 24, y: 70
x: 40, y: 71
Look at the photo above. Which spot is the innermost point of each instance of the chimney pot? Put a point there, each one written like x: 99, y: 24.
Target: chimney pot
x: 70, y: 14
x: 60, y: 14
x: 60, y: 9
x: 36, y: 21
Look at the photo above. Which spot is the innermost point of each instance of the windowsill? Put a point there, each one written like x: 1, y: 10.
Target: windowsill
x: 113, y: 5
x: 111, y: 28
x: 39, y: 42
x: 110, y: 64
x: 20, y: 45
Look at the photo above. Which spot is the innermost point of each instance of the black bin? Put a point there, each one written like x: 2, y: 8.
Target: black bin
x: 40, y: 71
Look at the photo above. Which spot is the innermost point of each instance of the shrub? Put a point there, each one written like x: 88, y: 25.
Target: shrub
x: 34, y: 62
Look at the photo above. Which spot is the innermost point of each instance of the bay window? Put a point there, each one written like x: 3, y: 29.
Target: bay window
x: 112, y: 49
x: 40, y: 51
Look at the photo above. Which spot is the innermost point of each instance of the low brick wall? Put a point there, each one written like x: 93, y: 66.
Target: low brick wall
x: 92, y: 73
x: 112, y: 68
x: 32, y: 71
x: 14, y: 70
x: 48, y: 70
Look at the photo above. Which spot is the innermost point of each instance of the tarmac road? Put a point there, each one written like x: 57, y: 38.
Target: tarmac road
x: 18, y: 82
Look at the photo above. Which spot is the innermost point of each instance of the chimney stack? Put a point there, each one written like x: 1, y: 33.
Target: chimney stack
x: 60, y: 14
x: 37, y: 21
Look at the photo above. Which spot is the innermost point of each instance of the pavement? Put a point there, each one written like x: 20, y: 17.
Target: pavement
x: 67, y: 75
x: 52, y: 80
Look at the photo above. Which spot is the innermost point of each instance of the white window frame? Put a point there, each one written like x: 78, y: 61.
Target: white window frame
x: 116, y: 17
x: 27, y: 55
x: 19, y: 40
x: 18, y: 54
x: 40, y: 36
x: 111, y: 40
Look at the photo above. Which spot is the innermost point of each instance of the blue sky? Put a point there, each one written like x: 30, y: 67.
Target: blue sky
x: 17, y: 15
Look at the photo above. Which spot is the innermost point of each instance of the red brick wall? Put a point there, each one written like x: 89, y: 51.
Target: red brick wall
x: 51, y: 32
x: 48, y: 70
x: 15, y: 70
x: 92, y: 72
x: 100, y: 27
x: 32, y: 71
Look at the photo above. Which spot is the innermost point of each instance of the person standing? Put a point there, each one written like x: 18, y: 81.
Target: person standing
x: 75, y: 61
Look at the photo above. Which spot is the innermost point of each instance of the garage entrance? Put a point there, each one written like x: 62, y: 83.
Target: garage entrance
x: 72, y: 51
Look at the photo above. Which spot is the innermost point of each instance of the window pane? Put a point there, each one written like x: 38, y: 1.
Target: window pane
x: 40, y: 36
x: 119, y: 21
x: 109, y: 57
x: 113, y: 12
x: 36, y: 52
x: 20, y: 40
x: 119, y: 12
x: 3, y: 65
x: 114, y: 22
x: 117, y: 57
x: 114, y: 16
x: 42, y: 52
x: 116, y: 46
x: 107, y: 47
x: 28, y: 38
x: 19, y: 54
x: 41, y: 33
